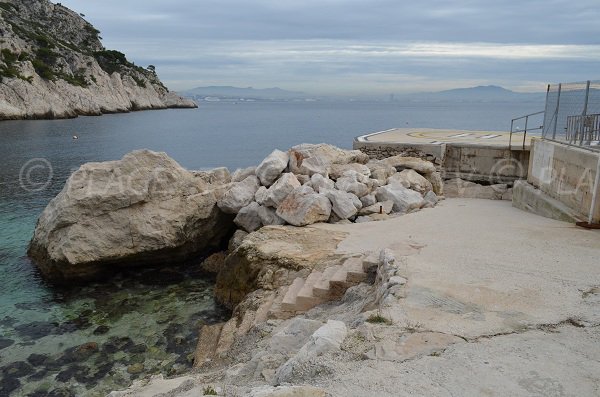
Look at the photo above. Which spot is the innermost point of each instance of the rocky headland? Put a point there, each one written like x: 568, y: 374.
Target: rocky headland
x: 339, y: 279
x: 53, y: 65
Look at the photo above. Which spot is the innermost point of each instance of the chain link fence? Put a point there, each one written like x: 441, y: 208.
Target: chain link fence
x: 572, y: 114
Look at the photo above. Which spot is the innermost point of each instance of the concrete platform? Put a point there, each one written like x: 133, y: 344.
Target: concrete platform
x: 440, y: 136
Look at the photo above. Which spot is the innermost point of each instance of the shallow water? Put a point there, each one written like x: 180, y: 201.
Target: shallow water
x: 139, y: 318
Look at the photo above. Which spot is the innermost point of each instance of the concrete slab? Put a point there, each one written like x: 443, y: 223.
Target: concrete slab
x: 442, y: 136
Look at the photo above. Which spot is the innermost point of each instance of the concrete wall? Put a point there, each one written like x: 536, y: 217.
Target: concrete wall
x: 381, y: 150
x: 491, y: 164
x: 565, y: 173
x: 476, y: 163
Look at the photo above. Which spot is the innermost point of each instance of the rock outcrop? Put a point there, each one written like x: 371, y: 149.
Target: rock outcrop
x: 53, y: 65
x: 141, y: 210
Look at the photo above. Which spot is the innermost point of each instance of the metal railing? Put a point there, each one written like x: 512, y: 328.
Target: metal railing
x: 573, y: 114
x: 516, y: 130
x: 583, y: 130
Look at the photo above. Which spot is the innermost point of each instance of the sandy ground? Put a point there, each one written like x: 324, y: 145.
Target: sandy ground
x: 499, y: 302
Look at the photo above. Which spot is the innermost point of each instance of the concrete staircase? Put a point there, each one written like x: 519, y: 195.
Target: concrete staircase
x: 320, y: 287
x: 302, y: 295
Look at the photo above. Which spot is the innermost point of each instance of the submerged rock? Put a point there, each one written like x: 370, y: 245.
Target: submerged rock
x: 143, y: 209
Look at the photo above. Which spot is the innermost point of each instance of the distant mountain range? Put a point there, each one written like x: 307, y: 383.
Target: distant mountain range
x: 490, y: 93
x: 236, y: 93
x: 486, y: 93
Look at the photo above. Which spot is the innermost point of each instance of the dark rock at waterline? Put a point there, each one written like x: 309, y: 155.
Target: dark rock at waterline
x: 8, y: 321
x: 17, y: 369
x: 8, y: 384
x: 39, y: 375
x: 37, y: 359
x: 61, y: 392
x: 37, y: 329
x: 101, y: 330
x: 77, y: 353
x: 139, y: 348
x: 5, y: 342
x: 116, y: 344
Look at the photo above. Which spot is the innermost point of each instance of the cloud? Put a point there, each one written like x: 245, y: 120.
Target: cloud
x: 353, y: 45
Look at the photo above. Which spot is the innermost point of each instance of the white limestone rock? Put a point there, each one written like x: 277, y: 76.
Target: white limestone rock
x: 248, y: 217
x: 385, y: 207
x: 437, y: 183
x: 310, y: 159
x: 344, y: 205
x: 261, y: 195
x: 219, y: 175
x: 337, y: 170
x: 431, y: 199
x: 268, y: 216
x: 380, y: 171
x: 405, y: 200
x: 350, y: 184
x: 239, y: 195
x: 413, y: 180
x: 271, y: 167
x: 304, y: 207
x: 318, y: 182
x: 401, y: 162
x: 281, y: 189
x: 242, y: 173
x: 368, y: 200
x: 326, y: 339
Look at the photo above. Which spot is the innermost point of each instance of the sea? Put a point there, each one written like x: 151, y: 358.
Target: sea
x: 88, y: 340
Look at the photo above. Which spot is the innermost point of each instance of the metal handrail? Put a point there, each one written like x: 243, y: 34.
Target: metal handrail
x: 526, y: 117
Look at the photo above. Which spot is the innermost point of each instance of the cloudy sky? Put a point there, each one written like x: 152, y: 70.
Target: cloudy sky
x: 354, y: 46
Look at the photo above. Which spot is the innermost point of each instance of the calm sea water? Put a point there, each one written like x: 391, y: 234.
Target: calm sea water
x: 89, y: 340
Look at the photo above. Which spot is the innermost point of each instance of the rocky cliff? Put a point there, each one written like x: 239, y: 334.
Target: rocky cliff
x: 53, y: 65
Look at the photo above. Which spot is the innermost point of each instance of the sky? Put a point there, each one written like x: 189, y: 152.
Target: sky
x: 352, y: 47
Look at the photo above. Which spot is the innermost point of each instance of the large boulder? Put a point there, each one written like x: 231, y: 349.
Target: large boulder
x: 412, y: 180
x: 280, y: 190
x: 351, y: 184
x: 248, y: 218
x: 274, y: 256
x: 318, y: 182
x: 414, y: 163
x: 269, y: 217
x: 437, y: 183
x: 405, y: 200
x: 337, y: 170
x: 239, y: 195
x: 309, y: 159
x: 271, y: 167
x: 304, y: 207
x: 344, y: 205
x: 144, y: 209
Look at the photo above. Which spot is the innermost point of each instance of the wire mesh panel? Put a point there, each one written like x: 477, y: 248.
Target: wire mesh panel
x: 572, y: 113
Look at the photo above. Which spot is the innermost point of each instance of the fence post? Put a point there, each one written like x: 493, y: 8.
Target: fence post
x: 512, y: 122
x: 556, y: 111
x: 525, y: 132
x: 584, y: 113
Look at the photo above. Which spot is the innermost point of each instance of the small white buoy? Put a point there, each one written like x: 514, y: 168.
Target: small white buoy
x: 75, y: 137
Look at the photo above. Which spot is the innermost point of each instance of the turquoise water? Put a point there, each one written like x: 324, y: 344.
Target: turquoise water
x: 93, y: 339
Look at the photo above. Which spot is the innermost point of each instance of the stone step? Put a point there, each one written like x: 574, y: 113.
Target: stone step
x: 289, y: 300
x: 321, y: 288
x: 306, y: 300
x: 207, y: 344
x: 339, y: 282
x: 354, y: 267
x: 371, y: 262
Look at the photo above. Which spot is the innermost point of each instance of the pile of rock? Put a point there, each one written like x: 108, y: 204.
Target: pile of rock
x: 322, y: 183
